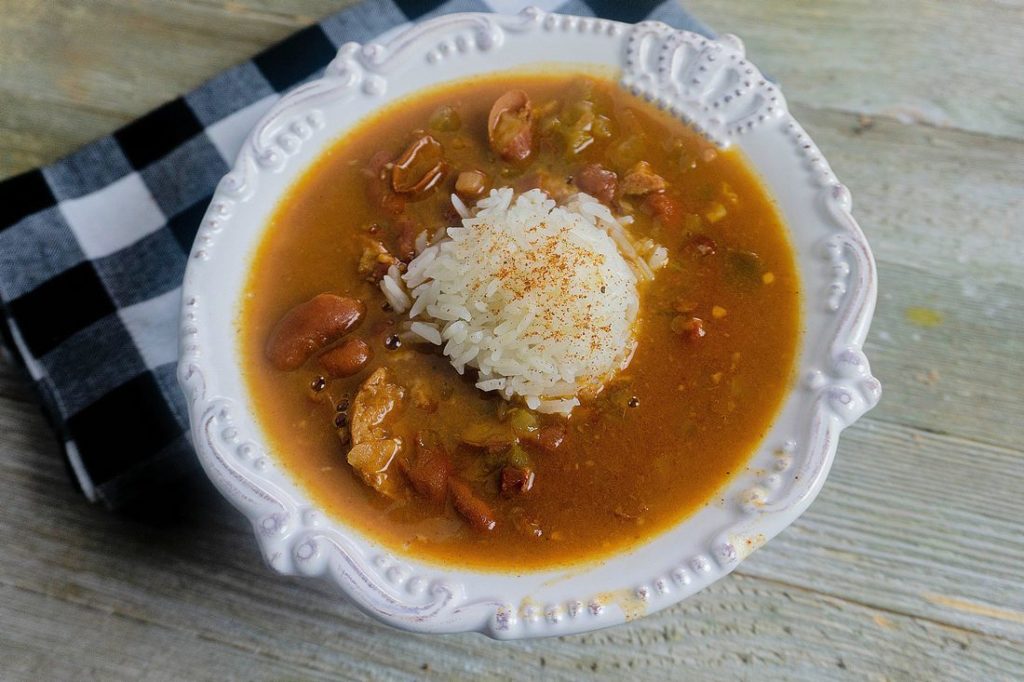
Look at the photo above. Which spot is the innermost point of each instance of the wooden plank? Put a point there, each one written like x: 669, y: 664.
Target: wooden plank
x: 915, y: 523
x: 937, y: 200
x: 69, y: 75
x: 742, y: 630
x: 917, y: 61
x: 24, y: 144
x: 961, y: 376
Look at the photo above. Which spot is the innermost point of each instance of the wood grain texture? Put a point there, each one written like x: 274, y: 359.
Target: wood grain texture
x: 73, y: 71
x: 943, y: 64
x: 910, y: 565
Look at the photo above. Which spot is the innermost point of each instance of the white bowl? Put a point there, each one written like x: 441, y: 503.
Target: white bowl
x: 708, y: 83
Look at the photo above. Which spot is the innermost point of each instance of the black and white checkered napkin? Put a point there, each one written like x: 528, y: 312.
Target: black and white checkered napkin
x: 93, y: 247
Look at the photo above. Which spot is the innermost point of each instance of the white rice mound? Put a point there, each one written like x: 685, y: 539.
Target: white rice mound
x: 540, y: 299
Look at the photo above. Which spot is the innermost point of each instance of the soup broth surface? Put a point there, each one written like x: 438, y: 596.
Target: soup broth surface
x: 654, y: 446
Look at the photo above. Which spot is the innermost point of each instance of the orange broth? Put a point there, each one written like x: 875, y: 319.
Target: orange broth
x: 654, y: 446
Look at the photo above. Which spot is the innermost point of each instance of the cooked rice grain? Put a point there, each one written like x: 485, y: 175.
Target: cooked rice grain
x: 540, y: 299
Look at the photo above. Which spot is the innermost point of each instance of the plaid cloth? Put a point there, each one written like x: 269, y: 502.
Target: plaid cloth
x: 93, y: 247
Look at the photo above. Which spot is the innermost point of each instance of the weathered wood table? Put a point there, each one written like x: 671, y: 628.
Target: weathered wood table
x: 909, y: 566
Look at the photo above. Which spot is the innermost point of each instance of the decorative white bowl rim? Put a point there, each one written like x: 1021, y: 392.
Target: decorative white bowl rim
x: 708, y: 83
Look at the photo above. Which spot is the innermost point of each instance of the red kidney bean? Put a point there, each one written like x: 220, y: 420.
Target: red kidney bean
x: 347, y: 359
x: 428, y: 470
x: 471, y: 184
x: 516, y: 480
x: 310, y: 326
x: 598, y: 182
x: 420, y: 168
x: 476, y: 512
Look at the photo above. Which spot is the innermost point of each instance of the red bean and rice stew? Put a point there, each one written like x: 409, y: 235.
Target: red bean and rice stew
x: 520, y: 322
